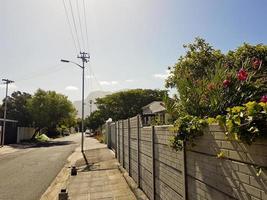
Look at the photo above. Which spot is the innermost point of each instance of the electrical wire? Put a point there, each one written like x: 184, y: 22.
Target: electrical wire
x: 58, y: 67
x: 94, y: 76
x: 79, y: 19
x: 86, y: 29
x: 91, y: 72
x: 74, y: 23
x: 69, y: 25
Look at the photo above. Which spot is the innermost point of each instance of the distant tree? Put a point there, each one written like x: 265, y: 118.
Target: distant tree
x: 50, y: 109
x: 78, y: 124
x: 124, y: 104
x: 17, y: 108
x: 94, y: 121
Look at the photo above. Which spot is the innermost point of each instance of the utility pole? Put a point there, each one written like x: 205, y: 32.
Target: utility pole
x: 85, y: 58
x: 6, y: 81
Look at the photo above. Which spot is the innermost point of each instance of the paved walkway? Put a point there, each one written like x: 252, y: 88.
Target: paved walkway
x: 98, y: 176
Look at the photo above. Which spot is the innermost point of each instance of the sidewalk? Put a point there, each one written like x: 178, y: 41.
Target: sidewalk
x: 98, y: 176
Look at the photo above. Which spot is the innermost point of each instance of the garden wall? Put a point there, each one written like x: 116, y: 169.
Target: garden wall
x: 196, y: 173
x: 24, y: 133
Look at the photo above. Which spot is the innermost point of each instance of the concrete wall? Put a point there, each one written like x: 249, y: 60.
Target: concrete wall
x: 231, y: 177
x: 24, y: 133
x: 196, y: 173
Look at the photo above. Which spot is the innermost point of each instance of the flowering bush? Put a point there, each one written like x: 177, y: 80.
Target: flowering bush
x: 246, y: 122
x: 209, y: 82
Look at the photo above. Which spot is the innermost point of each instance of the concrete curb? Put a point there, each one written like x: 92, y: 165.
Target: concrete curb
x: 139, y: 194
x: 62, y: 179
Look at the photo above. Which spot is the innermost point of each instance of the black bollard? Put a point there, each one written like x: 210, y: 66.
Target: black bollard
x: 63, y: 195
x: 73, y: 171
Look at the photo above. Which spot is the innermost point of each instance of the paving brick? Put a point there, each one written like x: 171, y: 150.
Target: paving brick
x: 103, y: 182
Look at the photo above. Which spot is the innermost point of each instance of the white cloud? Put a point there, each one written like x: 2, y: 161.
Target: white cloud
x: 114, y: 82
x: 129, y: 80
x: 109, y: 82
x: 104, y: 83
x: 71, y: 88
x: 162, y: 76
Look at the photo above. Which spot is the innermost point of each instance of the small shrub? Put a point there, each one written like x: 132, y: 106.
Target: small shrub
x: 247, y: 122
x: 41, y: 138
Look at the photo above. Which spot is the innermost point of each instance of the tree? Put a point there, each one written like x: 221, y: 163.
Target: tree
x: 208, y: 81
x: 17, y: 108
x: 199, y: 60
x: 125, y: 104
x: 94, y: 121
x: 50, y: 109
x: 189, y: 73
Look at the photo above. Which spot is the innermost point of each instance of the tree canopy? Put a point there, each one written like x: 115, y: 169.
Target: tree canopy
x: 125, y: 104
x: 94, y: 121
x: 208, y: 81
x: 50, y: 109
x: 17, y: 108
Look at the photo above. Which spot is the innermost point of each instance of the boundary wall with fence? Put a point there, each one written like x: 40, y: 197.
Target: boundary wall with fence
x: 194, y: 173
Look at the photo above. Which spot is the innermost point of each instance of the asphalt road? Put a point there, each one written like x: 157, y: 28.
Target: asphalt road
x: 27, y: 173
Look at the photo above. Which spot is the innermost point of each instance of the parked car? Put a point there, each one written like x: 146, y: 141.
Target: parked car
x: 66, y: 132
x: 88, y: 132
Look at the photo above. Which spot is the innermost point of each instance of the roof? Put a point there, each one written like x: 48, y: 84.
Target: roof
x: 154, y: 107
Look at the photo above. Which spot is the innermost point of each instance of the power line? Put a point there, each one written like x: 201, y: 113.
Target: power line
x: 85, y: 21
x: 91, y: 72
x: 90, y: 79
x: 79, y: 19
x: 58, y: 68
x: 69, y: 24
x: 74, y: 23
x: 93, y: 75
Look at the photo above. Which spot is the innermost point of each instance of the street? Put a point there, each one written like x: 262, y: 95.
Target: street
x: 27, y: 173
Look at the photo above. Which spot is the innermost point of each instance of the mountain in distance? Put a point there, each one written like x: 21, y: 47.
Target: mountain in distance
x: 92, y: 96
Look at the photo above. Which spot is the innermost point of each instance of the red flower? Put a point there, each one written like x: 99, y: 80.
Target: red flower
x: 264, y: 99
x: 242, y: 75
x: 256, y: 63
x: 226, y: 83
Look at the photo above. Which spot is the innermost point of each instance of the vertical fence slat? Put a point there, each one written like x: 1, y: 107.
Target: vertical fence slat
x: 119, y: 143
x: 116, y: 147
x: 108, y: 134
x: 123, y: 154
x: 138, y: 150
x: 129, y: 147
x: 153, y: 162
x: 184, y: 171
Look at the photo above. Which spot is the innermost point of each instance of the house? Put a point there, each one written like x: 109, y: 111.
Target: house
x: 154, y: 113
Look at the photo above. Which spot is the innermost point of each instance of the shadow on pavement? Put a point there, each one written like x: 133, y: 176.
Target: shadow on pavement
x: 41, y: 144
x: 97, y: 160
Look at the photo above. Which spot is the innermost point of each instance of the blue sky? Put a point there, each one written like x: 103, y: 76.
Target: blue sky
x: 131, y: 42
